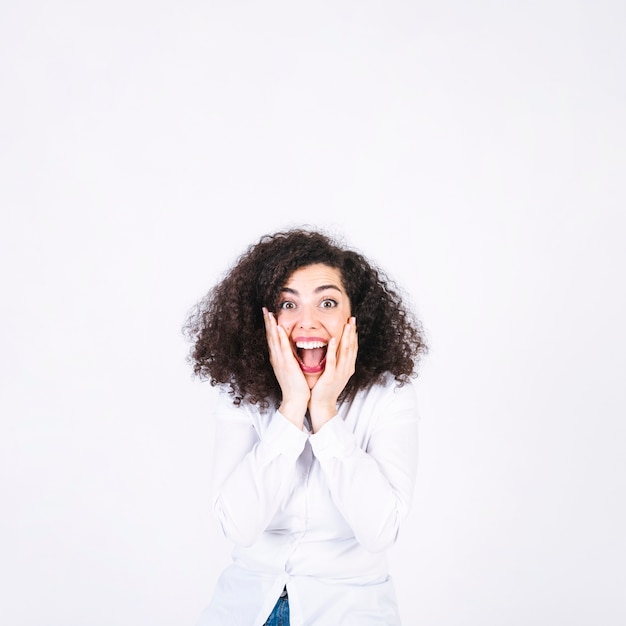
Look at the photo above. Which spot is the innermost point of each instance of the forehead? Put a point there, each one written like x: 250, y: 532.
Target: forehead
x: 313, y: 276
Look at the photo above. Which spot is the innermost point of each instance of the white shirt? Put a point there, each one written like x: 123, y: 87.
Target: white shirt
x: 314, y: 512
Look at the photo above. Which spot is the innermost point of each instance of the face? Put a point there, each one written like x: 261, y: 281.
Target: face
x: 313, y: 307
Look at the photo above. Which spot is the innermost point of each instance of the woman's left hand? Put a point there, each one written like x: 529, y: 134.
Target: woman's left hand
x: 340, y: 365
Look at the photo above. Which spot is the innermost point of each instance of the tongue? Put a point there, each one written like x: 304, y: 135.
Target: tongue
x: 312, y: 357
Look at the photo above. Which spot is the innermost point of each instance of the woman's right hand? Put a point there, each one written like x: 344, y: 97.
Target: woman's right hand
x: 293, y: 385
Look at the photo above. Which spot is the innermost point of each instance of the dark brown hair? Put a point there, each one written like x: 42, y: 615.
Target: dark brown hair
x: 228, y: 335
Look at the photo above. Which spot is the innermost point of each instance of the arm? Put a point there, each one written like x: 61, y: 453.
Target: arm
x: 251, y: 474
x: 373, y: 488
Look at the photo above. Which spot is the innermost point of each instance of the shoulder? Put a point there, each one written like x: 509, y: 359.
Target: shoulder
x: 389, y: 391
x: 244, y: 412
x: 385, y: 402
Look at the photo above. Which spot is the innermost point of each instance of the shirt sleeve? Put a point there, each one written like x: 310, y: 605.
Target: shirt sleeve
x: 373, y: 487
x: 251, y: 473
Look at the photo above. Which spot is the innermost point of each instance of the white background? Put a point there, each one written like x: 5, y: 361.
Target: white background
x: 474, y: 150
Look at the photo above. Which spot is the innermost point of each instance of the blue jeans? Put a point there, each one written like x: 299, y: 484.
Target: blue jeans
x: 280, y: 613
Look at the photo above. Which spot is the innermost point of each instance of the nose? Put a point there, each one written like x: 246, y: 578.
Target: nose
x: 308, y: 318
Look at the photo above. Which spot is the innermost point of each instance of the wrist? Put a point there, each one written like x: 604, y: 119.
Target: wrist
x: 293, y: 411
x: 320, y: 414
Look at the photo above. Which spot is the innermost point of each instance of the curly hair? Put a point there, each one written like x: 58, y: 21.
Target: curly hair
x: 227, y: 330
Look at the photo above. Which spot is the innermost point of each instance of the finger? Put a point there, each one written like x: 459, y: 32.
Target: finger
x: 269, y: 322
x: 271, y: 335
x: 348, y: 347
x: 283, y: 340
x: 276, y: 333
x: 331, y: 355
x: 280, y: 347
x: 348, y: 337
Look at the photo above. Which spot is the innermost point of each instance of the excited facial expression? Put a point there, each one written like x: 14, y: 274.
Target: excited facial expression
x: 313, y: 307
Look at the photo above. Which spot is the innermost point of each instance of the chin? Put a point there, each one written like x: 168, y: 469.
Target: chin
x: 311, y: 379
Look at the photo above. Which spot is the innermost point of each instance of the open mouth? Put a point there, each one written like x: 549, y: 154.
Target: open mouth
x: 311, y: 354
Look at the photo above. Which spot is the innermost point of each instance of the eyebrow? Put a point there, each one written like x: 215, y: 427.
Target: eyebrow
x: 317, y: 289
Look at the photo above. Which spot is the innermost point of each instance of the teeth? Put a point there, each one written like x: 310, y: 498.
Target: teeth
x: 309, y: 345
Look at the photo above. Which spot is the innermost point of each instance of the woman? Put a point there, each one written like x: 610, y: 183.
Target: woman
x: 316, y: 435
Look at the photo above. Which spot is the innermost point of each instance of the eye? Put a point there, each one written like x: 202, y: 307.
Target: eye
x: 329, y: 303
x: 287, y: 305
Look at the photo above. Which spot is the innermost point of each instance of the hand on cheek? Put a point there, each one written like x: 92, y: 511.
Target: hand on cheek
x: 340, y: 366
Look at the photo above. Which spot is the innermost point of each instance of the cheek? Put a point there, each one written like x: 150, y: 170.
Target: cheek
x: 338, y: 328
x: 280, y: 320
x: 311, y: 379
